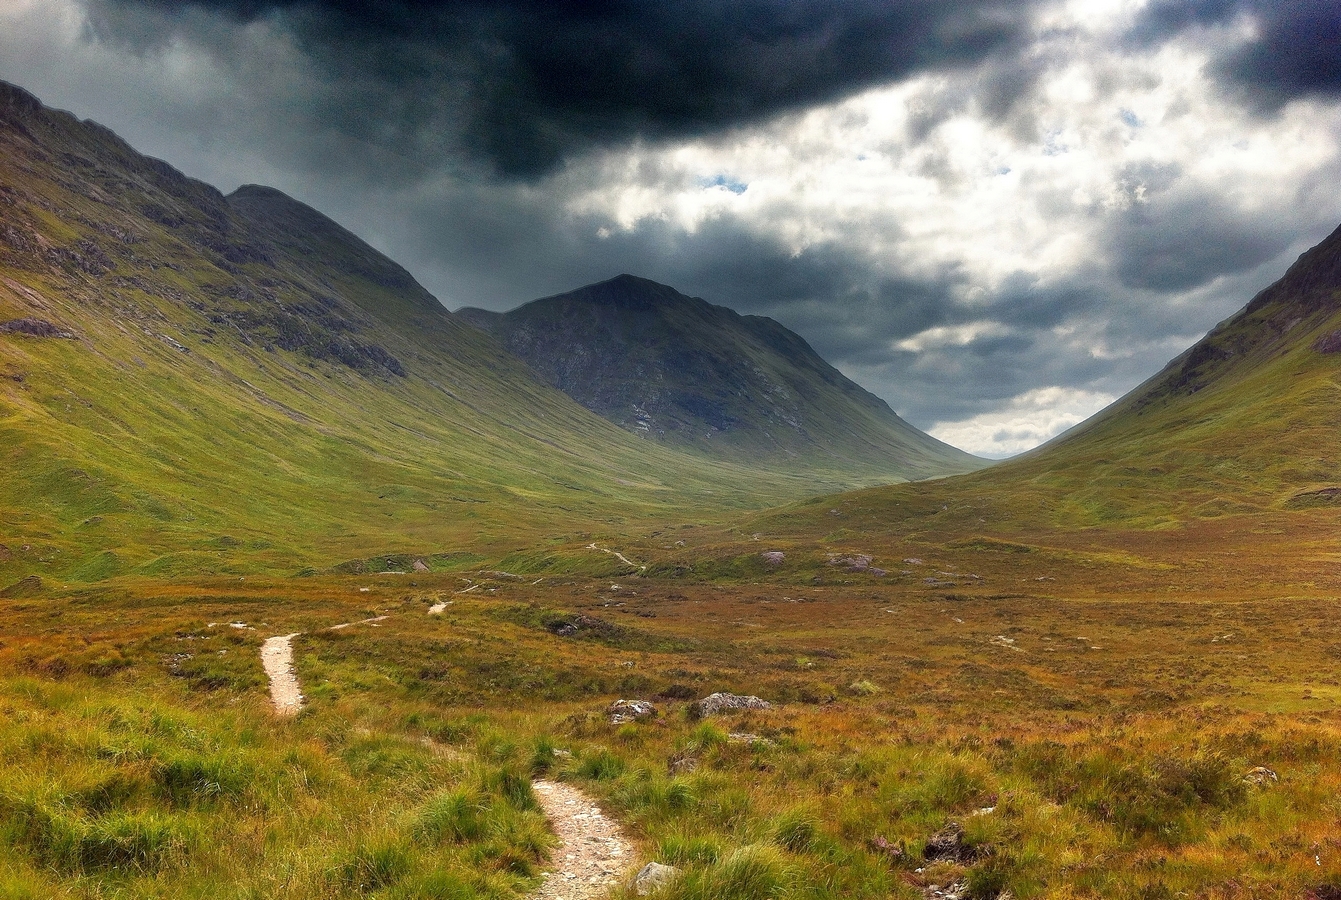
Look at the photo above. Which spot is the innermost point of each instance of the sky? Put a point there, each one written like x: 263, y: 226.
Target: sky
x: 999, y: 217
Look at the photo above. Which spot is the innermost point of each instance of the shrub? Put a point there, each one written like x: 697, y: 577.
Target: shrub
x: 795, y: 830
x: 456, y: 817
x: 373, y: 867
x: 601, y: 766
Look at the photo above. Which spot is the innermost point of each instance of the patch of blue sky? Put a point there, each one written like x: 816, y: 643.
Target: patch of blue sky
x: 731, y: 183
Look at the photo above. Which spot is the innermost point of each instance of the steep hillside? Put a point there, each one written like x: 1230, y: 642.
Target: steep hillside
x: 193, y: 383
x: 685, y: 373
x: 1230, y: 453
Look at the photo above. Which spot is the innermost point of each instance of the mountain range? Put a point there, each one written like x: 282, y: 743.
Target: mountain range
x: 194, y: 383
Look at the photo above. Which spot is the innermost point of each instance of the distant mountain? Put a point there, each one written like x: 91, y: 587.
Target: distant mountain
x: 193, y: 383
x: 1244, y: 423
x: 685, y: 373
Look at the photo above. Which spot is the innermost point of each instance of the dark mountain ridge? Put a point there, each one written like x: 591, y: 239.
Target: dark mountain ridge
x: 687, y: 373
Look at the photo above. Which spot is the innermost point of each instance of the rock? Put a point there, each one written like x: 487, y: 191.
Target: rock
x: 34, y: 328
x: 956, y: 891
x: 682, y: 764
x: 723, y: 702
x: 1261, y: 776
x: 24, y: 587
x: 948, y: 844
x: 883, y: 845
x: 773, y: 557
x: 623, y: 711
x: 857, y: 563
x: 1330, y: 343
x: 420, y: 566
x: 652, y: 876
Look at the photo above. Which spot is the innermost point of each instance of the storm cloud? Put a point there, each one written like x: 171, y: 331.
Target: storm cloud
x: 521, y: 84
x: 1294, y: 48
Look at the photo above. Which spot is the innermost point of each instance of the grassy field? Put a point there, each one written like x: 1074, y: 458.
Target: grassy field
x: 1104, y: 708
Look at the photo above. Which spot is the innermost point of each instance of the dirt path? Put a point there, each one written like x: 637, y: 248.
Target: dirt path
x: 592, y: 855
x: 620, y: 556
x: 277, y: 660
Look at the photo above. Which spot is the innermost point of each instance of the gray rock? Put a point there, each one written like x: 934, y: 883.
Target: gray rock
x: 420, y: 566
x: 1260, y: 776
x: 622, y: 711
x: 653, y: 876
x: 773, y: 557
x: 682, y: 764
x: 723, y: 702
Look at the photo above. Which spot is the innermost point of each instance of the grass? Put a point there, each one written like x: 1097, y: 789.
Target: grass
x: 1112, y: 766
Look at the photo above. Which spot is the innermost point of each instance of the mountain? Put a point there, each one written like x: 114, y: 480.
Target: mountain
x: 685, y: 373
x: 195, y: 383
x: 1232, y: 442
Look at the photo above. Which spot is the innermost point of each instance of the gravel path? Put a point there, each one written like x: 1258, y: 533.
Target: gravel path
x: 592, y: 855
x: 277, y: 659
x: 620, y: 556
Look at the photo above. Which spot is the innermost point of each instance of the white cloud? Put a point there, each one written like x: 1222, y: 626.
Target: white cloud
x: 1023, y: 423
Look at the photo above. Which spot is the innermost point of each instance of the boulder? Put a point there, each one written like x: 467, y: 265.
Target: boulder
x: 773, y: 557
x: 682, y: 764
x: 948, y: 844
x: 1261, y: 776
x: 723, y: 702
x: 420, y: 566
x: 622, y: 711
x: 652, y: 876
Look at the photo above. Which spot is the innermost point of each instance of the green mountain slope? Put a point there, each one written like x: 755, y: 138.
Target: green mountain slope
x: 195, y: 383
x: 685, y: 373
x: 1245, y: 423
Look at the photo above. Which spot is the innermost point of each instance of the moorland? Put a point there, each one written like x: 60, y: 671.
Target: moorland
x: 1103, y: 669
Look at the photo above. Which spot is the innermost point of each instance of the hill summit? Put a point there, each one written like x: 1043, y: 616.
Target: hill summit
x: 683, y: 372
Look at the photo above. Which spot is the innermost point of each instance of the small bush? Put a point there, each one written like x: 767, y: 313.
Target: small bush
x: 456, y: 817
x: 601, y: 766
x: 513, y: 787
x: 684, y: 849
x: 750, y: 873
x: 189, y: 780
x: 374, y: 867
x: 795, y: 830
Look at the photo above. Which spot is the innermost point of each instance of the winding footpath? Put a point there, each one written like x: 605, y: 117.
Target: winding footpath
x: 620, y: 556
x: 592, y: 855
x: 286, y: 696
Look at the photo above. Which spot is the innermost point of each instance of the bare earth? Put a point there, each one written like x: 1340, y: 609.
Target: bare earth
x: 592, y: 855
x: 277, y: 659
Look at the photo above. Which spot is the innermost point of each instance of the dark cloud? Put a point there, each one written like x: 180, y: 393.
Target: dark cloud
x: 524, y: 83
x: 1183, y: 244
x: 1294, y: 53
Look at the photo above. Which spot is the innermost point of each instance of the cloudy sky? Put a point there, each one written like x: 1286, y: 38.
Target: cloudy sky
x: 997, y: 216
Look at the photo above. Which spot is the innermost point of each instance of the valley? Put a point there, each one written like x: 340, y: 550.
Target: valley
x: 310, y: 588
